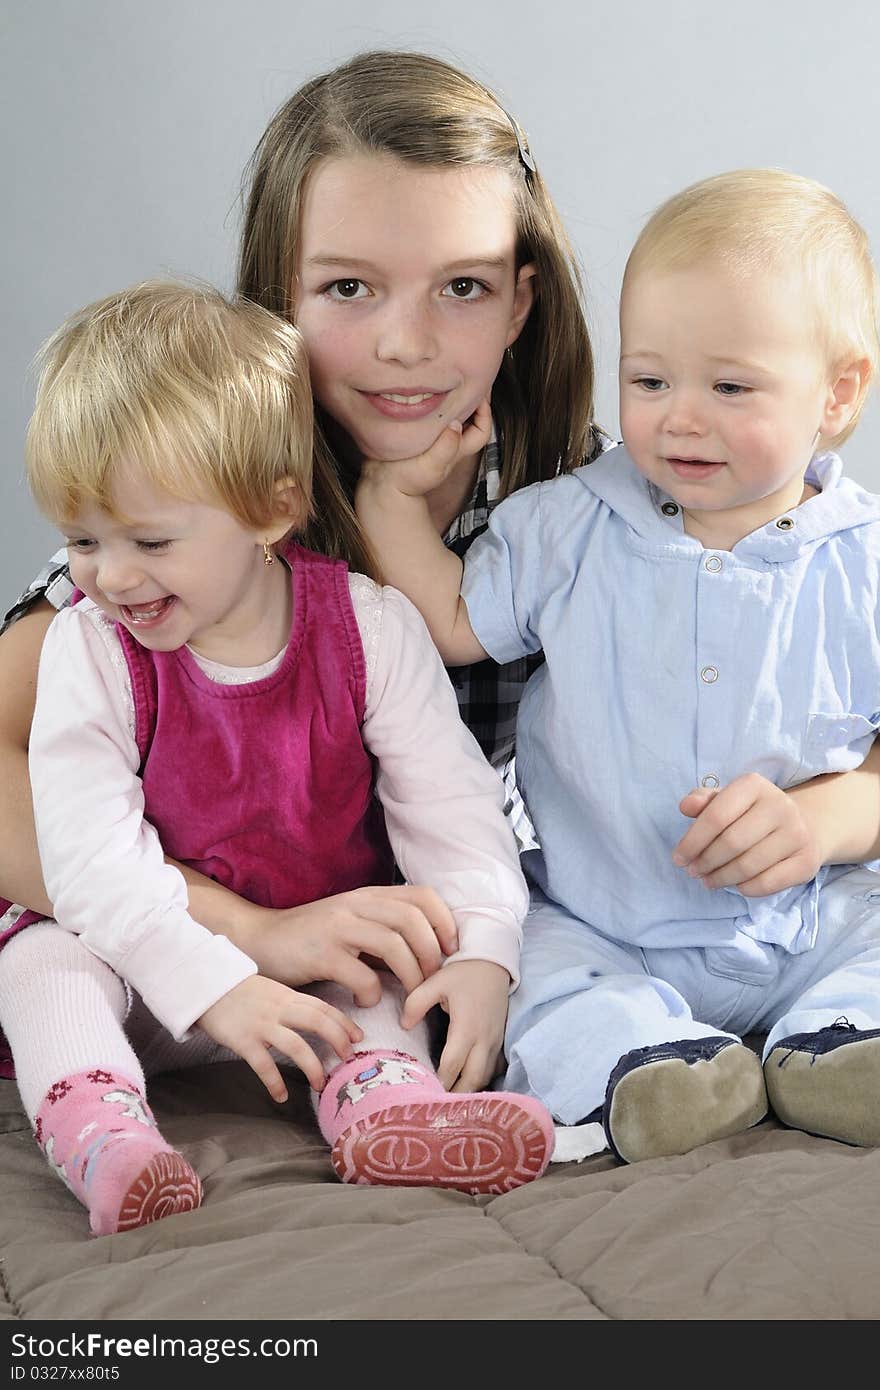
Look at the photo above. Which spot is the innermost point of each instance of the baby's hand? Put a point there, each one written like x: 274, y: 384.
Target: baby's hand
x: 418, y: 476
x: 474, y: 994
x: 750, y: 835
x: 258, y: 1014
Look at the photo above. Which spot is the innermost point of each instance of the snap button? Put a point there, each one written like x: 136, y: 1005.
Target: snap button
x: 785, y: 523
x: 714, y: 564
x: 669, y: 509
x: 709, y: 674
x: 710, y: 780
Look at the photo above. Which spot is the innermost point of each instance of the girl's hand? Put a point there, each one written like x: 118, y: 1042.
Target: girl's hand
x: 750, y: 834
x: 418, y: 476
x: 474, y: 994
x: 259, y: 1014
x: 405, y: 927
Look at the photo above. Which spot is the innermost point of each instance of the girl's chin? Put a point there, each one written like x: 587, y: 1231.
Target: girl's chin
x: 395, y: 448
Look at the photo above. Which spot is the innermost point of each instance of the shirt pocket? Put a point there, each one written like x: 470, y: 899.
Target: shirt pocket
x: 836, y: 742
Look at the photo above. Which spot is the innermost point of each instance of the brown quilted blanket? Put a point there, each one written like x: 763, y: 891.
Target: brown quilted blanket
x: 770, y: 1225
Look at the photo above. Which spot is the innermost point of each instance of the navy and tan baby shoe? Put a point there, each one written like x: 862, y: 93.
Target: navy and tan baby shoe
x: 828, y: 1082
x: 672, y: 1097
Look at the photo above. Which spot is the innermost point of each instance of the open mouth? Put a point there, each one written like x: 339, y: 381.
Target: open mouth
x: 147, y: 614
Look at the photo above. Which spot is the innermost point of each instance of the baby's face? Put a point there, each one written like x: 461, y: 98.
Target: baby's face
x: 724, y: 389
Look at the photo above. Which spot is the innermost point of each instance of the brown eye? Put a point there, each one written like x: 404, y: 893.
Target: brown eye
x: 346, y: 289
x: 465, y: 287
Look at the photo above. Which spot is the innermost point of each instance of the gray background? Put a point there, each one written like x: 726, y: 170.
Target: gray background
x: 126, y: 127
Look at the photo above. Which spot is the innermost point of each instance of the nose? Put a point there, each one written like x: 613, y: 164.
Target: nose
x: 684, y: 413
x: 406, y: 334
x: 117, y: 575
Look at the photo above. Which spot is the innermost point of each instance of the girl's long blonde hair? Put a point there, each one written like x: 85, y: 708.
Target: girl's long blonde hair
x: 426, y: 112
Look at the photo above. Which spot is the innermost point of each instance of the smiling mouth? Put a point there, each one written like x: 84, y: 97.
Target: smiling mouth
x: 416, y: 398
x: 405, y: 405
x: 145, y: 614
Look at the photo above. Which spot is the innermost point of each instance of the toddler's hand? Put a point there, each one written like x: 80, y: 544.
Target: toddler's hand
x: 474, y: 993
x: 405, y: 927
x: 750, y: 835
x: 258, y: 1014
x: 420, y: 475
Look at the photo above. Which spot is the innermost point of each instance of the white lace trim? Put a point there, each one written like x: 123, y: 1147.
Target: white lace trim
x: 106, y: 629
x: 237, y: 675
x: 367, y: 601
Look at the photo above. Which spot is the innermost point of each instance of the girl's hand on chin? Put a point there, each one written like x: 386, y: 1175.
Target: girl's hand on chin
x: 418, y: 476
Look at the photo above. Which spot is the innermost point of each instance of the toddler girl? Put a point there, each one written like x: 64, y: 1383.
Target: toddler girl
x: 223, y: 696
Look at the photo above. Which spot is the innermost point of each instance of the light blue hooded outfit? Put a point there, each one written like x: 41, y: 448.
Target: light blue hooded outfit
x: 669, y: 667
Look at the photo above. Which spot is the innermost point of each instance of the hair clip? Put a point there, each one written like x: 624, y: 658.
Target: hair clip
x: 522, y: 144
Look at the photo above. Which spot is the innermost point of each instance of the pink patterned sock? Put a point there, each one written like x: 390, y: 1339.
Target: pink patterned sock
x: 389, y: 1122
x: 100, y: 1137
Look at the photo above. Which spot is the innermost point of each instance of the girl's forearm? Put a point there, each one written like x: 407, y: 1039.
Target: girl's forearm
x: 414, y: 559
x: 844, y: 809
x: 219, y: 909
x: 21, y: 875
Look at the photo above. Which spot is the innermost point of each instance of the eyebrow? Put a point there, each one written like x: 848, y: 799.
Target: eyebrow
x: 750, y: 365
x: 153, y: 527
x: 741, y: 362
x: 467, y: 263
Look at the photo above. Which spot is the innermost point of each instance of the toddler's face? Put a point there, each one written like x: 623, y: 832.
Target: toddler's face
x: 723, y: 388
x: 407, y: 295
x: 173, y: 571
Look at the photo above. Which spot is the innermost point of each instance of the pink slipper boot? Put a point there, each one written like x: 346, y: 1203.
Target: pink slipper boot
x: 390, y: 1123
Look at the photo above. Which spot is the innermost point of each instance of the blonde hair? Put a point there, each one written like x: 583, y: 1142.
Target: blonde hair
x: 751, y: 220
x: 209, y: 397
x: 425, y: 112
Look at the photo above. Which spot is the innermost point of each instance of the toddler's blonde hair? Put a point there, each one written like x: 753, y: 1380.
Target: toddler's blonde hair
x: 753, y: 220
x: 208, y: 397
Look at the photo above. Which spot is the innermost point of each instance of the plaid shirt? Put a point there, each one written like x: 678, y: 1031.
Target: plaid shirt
x: 53, y: 582
x: 488, y: 694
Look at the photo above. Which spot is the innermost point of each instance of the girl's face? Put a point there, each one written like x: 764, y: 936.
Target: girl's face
x: 178, y: 571
x: 407, y: 295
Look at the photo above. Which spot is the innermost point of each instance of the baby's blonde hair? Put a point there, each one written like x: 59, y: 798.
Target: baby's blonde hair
x: 752, y: 220
x: 208, y: 397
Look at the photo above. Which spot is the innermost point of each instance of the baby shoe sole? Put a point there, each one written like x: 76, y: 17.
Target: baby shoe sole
x: 166, y: 1186
x: 490, y: 1143
x: 672, y: 1105
x: 834, y: 1094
